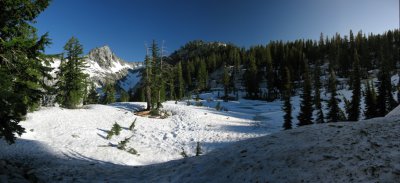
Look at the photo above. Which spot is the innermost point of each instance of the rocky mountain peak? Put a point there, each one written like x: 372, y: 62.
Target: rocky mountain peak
x: 104, y: 56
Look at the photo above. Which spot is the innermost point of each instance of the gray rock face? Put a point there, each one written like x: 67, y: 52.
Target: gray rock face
x: 104, y: 57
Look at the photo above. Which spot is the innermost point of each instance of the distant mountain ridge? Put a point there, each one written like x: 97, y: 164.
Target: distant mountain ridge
x: 104, y: 66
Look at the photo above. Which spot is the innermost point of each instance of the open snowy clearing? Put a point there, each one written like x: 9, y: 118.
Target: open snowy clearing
x: 63, y: 145
x: 365, y: 151
x: 54, y: 135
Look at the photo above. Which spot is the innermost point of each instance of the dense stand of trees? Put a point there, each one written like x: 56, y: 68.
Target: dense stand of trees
x: 346, y: 61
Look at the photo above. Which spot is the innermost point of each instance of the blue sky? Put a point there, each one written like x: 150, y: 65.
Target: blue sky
x: 125, y: 25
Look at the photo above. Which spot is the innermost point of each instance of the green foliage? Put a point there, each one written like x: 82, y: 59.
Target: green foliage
x: 122, y: 144
x: 354, y: 109
x: 115, y: 130
x: 226, y: 82
x: 202, y: 76
x: 198, y: 149
x: 93, y: 96
x: 109, y: 93
x: 110, y: 134
x: 21, y: 67
x: 251, y: 79
x: 333, y: 103
x: 180, y: 82
x: 306, y: 109
x: 71, y: 84
x: 317, y: 96
x: 370, y: 101
x: 385, y: 101
x: 132, y: 126
x: 287, y: 106
x: 124, y: 96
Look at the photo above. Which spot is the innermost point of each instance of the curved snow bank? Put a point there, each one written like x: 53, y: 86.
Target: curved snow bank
x: 367, y: 151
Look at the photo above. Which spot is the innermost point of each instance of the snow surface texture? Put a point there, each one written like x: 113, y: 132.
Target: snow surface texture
x: 365, y: 151
x: 70, y: 146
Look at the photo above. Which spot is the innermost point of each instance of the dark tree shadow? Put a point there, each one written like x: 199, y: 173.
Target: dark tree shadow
x: 128, y: 106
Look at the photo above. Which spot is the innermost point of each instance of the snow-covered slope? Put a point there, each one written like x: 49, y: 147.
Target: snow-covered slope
x: 64, y: 145
x: 102, y: 65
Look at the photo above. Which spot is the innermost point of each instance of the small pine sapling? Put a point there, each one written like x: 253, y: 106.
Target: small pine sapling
x: 122, y: 145
x: 132, y: 125
x: 198, y: 149
x: 110, y: 134
x: 116, y: 129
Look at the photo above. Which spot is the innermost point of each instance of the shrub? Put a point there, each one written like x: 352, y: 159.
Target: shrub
x: 122, y: 145
x: 116, y: 129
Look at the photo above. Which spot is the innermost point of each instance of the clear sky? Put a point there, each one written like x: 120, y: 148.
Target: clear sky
x: 125, y: 25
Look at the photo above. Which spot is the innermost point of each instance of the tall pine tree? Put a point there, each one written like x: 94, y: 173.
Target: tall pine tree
x: 370, y: 101
x: 333, y: 103
x: 354, y: 109
x: 226, y: 82
x: 287, y: 106
x: 306, y: 109
x: 71, y: 82
x: 22, y: 71
x: 147, y: 78
x: 252, y: 85
x: 317, y: 94
x: 180, y: 82
x: 385, y: 101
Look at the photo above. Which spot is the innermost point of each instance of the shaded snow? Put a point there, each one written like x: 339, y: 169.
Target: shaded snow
x: 365, y: 151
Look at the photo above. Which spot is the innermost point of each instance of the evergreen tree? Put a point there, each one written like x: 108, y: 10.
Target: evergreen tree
x: 306, y: 109
x: 202, y: 76
x: 270, y: 76
x: 109, y: 93
x: 385, y: 101
x: 71, y: 83
x: 287, y: 106
x: 252, y: 84
x: 226, y: 82
x: 171, y: 84
x: 180, y: 82
x: 370, y: 101
x: 333, y: 103
x: 147, y: 77
x: 21, y: 69
x: 317, y: 94
x: 354, y: 108
x: 124, y: 96
x: 93, y: 96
